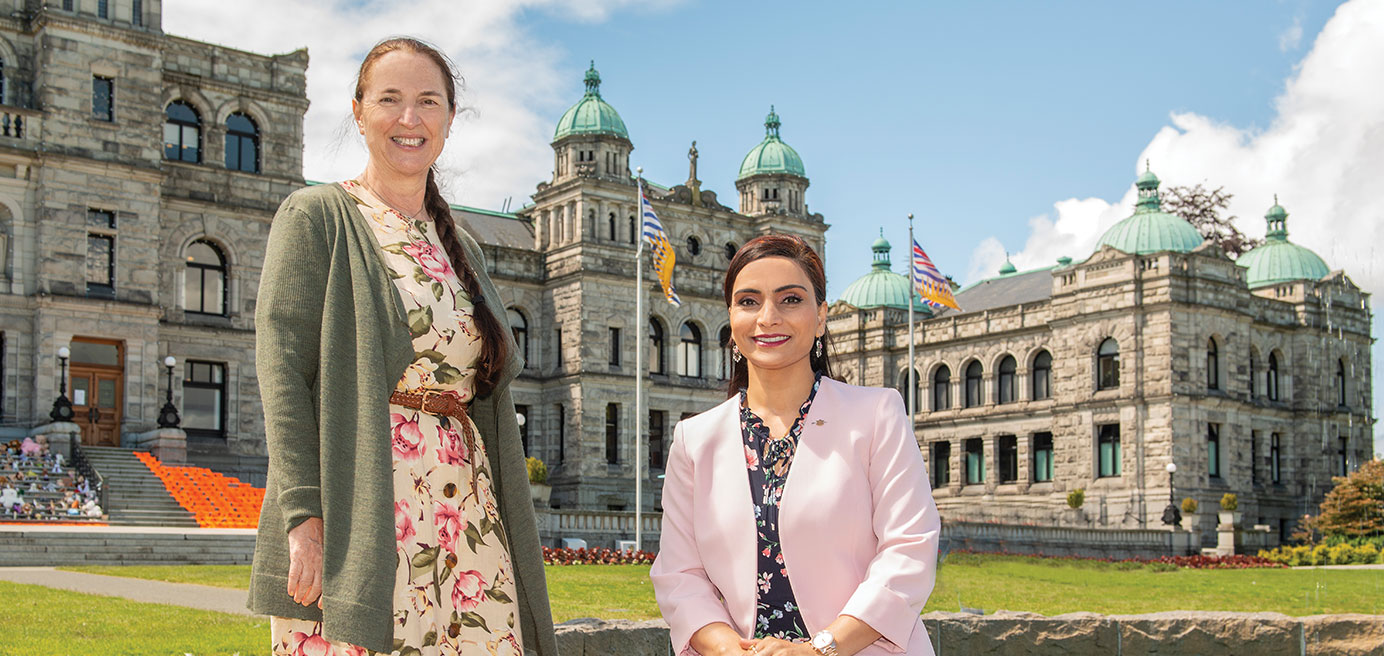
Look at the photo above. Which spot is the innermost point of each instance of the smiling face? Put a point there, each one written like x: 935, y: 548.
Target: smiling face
x: 404, y: 112
x: 774, y: 317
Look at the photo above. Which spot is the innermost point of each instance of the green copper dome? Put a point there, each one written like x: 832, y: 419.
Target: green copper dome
x: 772, y: 155
x: 1279, y: 260
x: 1150, y: 229
x: 881, y: 287
x: 591, y: 114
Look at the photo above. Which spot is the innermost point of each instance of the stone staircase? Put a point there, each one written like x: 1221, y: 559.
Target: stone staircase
x: 134, y: 496
x: 42, y: 546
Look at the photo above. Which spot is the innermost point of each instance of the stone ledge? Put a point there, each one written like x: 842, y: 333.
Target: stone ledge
x: 1006, y: 633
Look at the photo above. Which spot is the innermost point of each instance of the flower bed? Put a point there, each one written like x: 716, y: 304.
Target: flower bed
x: 216, y: 501
x: 552, y: 556
x: 1162, y: 563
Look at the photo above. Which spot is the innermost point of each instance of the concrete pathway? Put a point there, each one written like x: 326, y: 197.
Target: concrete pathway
x: 204, y: 597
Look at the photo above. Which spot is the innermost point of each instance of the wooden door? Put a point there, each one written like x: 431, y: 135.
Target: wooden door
x: 97, y: 384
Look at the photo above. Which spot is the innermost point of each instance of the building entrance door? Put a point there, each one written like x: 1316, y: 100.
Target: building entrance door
x: 98, y: 380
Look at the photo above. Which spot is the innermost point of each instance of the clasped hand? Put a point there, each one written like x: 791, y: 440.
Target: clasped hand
x: 776, y: 647
x: 305, y: 562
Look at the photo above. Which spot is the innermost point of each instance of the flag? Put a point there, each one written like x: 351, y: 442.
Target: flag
x: 929, y: 282
x: 659, y: 247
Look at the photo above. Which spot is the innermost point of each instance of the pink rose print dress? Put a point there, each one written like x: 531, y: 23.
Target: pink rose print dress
x: 454, y: 581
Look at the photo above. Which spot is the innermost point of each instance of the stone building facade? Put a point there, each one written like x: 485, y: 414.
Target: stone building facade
x: 1252, y: 377
x: 138, y: 175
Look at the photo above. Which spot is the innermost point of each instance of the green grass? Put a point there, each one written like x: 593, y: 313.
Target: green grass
x: 221, y: 576
x: 42, y: 621
x: 604, y: 591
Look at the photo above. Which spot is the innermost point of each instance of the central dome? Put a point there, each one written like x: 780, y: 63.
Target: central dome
x: 1150, y: 229
x: 881, y: 287
x: 591, y: 114
x: 771, y: 155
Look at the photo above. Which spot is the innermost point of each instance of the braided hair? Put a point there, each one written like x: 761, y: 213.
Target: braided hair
x: 494, y: 352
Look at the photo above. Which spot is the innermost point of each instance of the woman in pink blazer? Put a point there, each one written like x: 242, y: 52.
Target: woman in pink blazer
x: 797, y: 517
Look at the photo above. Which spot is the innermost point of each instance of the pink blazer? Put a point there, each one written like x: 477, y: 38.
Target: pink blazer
x: 857, y: 520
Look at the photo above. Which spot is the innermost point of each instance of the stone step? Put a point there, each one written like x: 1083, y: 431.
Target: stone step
x: 96, y: 547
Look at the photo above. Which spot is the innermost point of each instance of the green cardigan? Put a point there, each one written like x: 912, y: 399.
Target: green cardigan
x: 331, y: 341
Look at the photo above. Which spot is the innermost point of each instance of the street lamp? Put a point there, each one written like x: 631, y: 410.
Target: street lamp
x: 1171, y: 515
x: 62, y: 407
x: 168, y: 416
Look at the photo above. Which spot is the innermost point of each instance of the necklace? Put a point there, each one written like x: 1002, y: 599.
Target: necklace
x: 390, y: 205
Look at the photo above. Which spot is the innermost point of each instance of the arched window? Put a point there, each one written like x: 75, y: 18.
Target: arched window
x: 1004, y: 384
x: 519, y: 327
x: 182, y: 133
x: 1253, y: 373
x: 610, y: 223
x: 731, y: 250
x: 634, y: 230
x: 941, y: 388
x: 204, y: 286
x: 1213, y: 365
x: 1108, y: 365
x: 690, y: 351
x: 1341, y: 382
x: 1271, y: 380
x: 974, y: 373
x: 242, y: 144
x: 656, y: 357
x: 903, y: 389
x: 726, y: 362
x: 2, y: 81
x: 1042, y: 376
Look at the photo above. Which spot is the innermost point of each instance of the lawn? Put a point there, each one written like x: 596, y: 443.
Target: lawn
x: 1046, y: 586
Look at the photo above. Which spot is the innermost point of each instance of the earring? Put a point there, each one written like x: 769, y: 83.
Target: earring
x: 818, y: 350
x: 735, y: 352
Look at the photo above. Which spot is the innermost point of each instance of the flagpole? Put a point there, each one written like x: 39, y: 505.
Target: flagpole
x: 912, y: 373
x: 639, y: 362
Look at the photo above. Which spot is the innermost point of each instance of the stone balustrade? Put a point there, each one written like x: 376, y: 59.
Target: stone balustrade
x: 600, y: 528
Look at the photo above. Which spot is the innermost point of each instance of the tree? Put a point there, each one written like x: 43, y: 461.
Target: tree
x: 1355, y: 507
x: 1202, y: 209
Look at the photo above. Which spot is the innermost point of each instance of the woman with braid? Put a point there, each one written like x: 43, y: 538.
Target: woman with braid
x: 397, y: 517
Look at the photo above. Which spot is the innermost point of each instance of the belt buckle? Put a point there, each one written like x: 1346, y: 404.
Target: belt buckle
x: 423, y: 405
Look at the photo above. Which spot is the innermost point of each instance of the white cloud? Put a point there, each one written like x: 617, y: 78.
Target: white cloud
x: 513, y: 84
x: 1323, y: 155
x: 1291, y: 38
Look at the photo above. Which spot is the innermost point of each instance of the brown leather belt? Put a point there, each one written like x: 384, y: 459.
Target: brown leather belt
x: 433, y: 403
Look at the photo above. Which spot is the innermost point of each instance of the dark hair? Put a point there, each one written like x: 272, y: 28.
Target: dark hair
x: 794, y: 248
x: 493, y: 332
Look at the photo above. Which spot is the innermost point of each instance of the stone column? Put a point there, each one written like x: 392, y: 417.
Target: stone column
x: 540, y: 231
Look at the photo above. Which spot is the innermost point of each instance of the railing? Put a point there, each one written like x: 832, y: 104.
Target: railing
x: 1056, y: 540
x: 597, y: 527
x: 16, y: 123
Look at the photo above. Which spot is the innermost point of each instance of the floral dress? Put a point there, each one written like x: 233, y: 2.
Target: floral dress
x: 454, y: 579
x: 768, y: 459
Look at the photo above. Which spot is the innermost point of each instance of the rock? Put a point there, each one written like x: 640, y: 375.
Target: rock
x: 592, y: 637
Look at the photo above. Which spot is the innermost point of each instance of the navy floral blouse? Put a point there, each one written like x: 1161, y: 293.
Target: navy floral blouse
x: 768, y: 460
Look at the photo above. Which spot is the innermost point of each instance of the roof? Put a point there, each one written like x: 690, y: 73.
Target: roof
x: 1003, y: 291
x: 494, y: 228
x: 1150, y: 229
x: 881, y: 287
x: 1278, y: 260
x: 771, y: 155
x: 591, y: 114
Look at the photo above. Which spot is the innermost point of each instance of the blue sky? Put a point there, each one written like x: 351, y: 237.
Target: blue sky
x: 1003, y: 126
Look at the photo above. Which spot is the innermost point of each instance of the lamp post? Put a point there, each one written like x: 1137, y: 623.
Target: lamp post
x: 1171, y: 515
x: 168, y: 416
x: 62, y: 407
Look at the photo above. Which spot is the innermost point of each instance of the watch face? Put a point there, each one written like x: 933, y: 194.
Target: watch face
x: 821, y: 640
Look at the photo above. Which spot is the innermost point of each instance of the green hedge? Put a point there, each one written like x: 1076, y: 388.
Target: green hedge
x: 1343, y: 553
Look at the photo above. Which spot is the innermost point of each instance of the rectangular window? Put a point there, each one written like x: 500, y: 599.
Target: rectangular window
x: 521, y: 412
x: 612, y: 433
x: 561, y: 413
x: 1108, y: 451
x: 1213, y: 450
x: 941, y: 464
x: 1009, y: 458
x: 137, y: 12
x: 557, y: 347
x: 102, y: 98
x: 975, y: 461
x: 100, y: 266
x: 1275, y: 468
x: 1254, y: 457
x: 1042, y: 457
x: 204, y: 399
x: 1343, y: 457
x: 614, y: 347
x: 657, y: 419
x: 103, y: 8
x: 67, y: 5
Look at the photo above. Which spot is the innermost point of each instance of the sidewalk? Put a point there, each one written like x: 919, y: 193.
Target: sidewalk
x: 222, y: 600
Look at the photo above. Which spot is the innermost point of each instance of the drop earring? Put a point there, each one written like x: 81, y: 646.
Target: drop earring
x: 735, y: 352
x: 818, y: 350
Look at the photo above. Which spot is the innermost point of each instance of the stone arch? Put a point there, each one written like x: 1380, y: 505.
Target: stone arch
x: 11, y: 60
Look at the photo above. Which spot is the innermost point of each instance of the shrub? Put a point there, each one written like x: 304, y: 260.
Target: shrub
x: 1341, y: 554
x: 1189, y: 506
x: 1076, y: 497
x: 538, y: 472
x: 1230, y: 502
x: 601, y: 556
x: 1366, y: 553
x: 1355, y: 507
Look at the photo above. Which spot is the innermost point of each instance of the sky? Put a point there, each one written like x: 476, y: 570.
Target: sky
x: 1005, y: 127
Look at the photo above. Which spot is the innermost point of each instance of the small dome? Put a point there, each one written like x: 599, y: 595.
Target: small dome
x: 881, y: 287
x: 1150, y: 229
x: 1008, y: 267
x: 771, y: 155
x: 591, y: 114
x: 1279, y: 260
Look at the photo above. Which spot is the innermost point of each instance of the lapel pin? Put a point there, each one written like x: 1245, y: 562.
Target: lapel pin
x: 820, y: 422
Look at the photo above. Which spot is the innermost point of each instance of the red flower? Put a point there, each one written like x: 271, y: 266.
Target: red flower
x: 408, y: 438
x: 309, y: 645
x: 403, y: 524
x: 469, y: 591
x: 431, y: 259
x: 751, y: 459
x: 448, y: 521
x: 452, y: 449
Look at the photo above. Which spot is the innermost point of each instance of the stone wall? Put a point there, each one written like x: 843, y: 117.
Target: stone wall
x: 1076, y: 634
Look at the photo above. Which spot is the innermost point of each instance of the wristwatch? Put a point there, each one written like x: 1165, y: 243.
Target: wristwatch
x: 824, y: 643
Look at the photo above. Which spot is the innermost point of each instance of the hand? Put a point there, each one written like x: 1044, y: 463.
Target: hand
x: 777, y: 647
x: 305, y: 562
